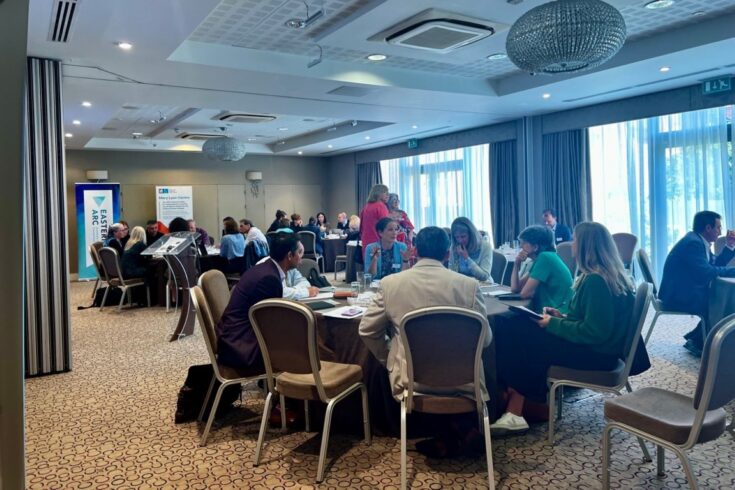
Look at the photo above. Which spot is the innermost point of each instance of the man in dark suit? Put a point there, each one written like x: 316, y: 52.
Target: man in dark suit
x: 562, y: 233
x: 342, y: 222
x: 689, y: 269
x: 236, y: 342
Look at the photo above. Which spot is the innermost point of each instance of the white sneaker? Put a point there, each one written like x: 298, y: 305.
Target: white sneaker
x: 508, y: 424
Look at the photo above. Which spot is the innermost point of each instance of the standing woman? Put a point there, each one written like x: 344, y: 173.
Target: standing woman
x: 386, y: 256
x: 134, y: 264
x: 470, y: 255
x: 405, y: 233
x: 374, y: 211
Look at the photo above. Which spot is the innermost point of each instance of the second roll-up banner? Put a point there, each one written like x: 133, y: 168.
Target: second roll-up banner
x: 173, y: 202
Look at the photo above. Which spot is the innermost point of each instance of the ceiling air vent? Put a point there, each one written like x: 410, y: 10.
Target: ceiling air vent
x: 197, y: 136
x: 440, y: 35
x: 61, y: 20
x: 234, y: 117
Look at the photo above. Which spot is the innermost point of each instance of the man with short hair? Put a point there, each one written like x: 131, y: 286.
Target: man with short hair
x: 690, y: 268
x: 562, y: 233
x: 295, y: 285
x: 342, y: 222
x: 203, y: 240
x: 151, y: 231
x: 114, y: 238
x: 428, y: 283
x: 236, y: 341
x: 251, y: 232
x: 297, y: 224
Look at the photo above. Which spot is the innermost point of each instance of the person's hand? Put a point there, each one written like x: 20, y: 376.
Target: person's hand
x: 731, y: 238
x: 462, y: 252
x: 375, y: 251
x: 548, y: 310
x: 406, y: 254
x: 313, y: 291
x: 544, y: 322
x: 522, y: 255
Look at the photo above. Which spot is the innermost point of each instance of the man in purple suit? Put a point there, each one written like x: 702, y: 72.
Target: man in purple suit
x: 237, y: 346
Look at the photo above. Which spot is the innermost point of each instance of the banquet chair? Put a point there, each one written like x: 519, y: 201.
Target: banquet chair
x: 339, y: 259
x: 564, y: 250
x: 101, y: 274
x: 308, y: 240
x: 626, y: 243
x: 647, y: 272
x: 217, y: 292
x: 443, y: 360
x: 306, y: 266
x: 207, y: 320
x: 497, y: 271
x: 111, y: 262
x: 675, y: 421
x: 605, y: 381
x: 286, y: 332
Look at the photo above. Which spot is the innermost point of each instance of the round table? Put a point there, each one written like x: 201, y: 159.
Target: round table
x: 332, y: 248
x: 721, y: 299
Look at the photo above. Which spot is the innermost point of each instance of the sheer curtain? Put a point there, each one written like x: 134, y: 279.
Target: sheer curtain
x: 650, y: 176
x: 436, y: 188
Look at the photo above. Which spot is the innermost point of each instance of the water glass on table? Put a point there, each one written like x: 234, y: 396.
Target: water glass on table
x: 355, y: 288
x: 368, y: 280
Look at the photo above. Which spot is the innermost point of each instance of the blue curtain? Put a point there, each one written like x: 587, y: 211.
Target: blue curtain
x: 436, y: 188
x: 650, y: 176
x: 504, y: 190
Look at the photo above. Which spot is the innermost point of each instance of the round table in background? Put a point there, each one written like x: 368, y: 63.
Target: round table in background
x: 332, y: 248
x: 721, y: 299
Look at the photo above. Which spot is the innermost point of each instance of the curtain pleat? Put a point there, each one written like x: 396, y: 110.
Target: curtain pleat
x: 47, y: 336
x: 368, y: 174
x: 565, y: 175
x: 504, y: 190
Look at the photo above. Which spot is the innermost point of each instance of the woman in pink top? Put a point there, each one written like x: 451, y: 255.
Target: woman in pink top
x: 374, y: 211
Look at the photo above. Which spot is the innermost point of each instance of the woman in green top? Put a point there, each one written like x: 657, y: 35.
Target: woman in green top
x: 590, y: 336
x: 548, y: 282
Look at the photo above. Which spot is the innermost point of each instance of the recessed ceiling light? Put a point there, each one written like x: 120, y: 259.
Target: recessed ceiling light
x: 664, y: 69
x: 546, y: 96
x: 137, y: 134
x: 124, y: 45
x: 367, y: 137
x: 330, y: 146
x: 414, y: 127
x: 497, y: 56
x: 87, y: 104
x: 376, y: 57
x: 76, y: 122
x: 659, y: 4
x: 251, y: 139
x: 698, y: 13
x: 301, y: 153
x: 283, y: 129
x: 69, y: 135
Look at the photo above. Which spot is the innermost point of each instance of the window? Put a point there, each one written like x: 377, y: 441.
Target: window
x: 649, y: 177
x: 436, y: 188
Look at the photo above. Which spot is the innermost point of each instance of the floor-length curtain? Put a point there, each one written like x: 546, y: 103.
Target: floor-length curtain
x: 504, y: 190
x: 565, y: 175
x: 368, y: 174
x: 47, y: 339
x: 650, y: 176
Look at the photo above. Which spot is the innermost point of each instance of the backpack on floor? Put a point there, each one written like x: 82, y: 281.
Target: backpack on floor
x: 113, y: 298
x: 191, y: 395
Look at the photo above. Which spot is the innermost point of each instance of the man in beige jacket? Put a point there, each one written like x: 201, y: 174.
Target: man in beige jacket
x: 428, y: 283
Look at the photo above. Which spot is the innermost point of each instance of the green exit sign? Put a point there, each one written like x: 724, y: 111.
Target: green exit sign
x: 413, y: 143
x: 717, y: 85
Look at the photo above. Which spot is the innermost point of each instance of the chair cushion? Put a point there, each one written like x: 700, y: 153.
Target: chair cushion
x: 664, y: 414
x: 600, y: 378
x: 336, y: 378
x: 443, y: 404
x: 228, y: 372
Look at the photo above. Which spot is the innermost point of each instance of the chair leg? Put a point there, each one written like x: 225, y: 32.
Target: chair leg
x: 122, y: 298
x: 552, y: 411
x: 104, y: 297
x: 307, y: 425
x: 687, y: 466
x: 606, y: 457
x: 168, y: 295
x: 263, y: 428
x: 282, y: 402
x: 650, y: 329
x: 212, y: 413
x: 646, y: 455
x: 325, y: 441
x: 488, y: 449
x: 206, y: 398
x: 365, y: 414
x: 335, y: 270
x: 97, y: 284
x: 148, y: 295
x: 660, y: 461
x: 404, y: 470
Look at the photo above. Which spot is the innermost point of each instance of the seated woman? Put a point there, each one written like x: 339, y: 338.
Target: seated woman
x: 548, y: 281
x: 469, y: 254
x: 353, y: 232
x: 590, y: 336
x: 386, y: 256
x: 321, y: 222
x: 233, y: 243
x: 314, y: 228
x: 133, y: 264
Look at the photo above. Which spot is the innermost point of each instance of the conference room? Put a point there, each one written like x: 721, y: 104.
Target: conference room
x: 459, y: 175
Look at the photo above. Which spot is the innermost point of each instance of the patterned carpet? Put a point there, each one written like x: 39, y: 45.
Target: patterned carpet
x: 109, y: 424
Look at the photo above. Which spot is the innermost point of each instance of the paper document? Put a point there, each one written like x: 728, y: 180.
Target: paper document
x: 496, y: 292
x: 319, y: 296
x: 345, y: 312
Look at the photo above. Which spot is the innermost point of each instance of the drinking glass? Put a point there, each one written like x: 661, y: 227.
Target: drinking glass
x: 516, y: 245
x: 368, y: 281
x: 360, y: 275
x: 355, y: 288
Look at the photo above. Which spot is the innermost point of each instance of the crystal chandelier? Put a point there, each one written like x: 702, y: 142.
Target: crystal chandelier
x: 224, y: 148
x: 565, y: 36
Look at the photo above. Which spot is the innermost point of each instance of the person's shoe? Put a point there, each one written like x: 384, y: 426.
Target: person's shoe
x: 693, y: 348
x: 509, y: 424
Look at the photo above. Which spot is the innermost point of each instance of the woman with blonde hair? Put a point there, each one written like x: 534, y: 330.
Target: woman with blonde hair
x: 375, y: 209
x: 470, y: 255
x: 590, y: 335
x: 353, y: 230
x: 133, y: 264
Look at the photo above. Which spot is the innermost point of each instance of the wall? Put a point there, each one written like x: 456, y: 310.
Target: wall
x: 294, y: 184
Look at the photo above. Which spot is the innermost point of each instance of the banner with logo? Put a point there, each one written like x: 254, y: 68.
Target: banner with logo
x: 98, y: 206
x: 173, y: 202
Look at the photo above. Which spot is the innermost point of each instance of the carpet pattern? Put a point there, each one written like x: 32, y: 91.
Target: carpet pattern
x: 109, y: 424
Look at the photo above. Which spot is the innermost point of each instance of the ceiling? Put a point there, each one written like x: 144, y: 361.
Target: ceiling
x: 193, y: 62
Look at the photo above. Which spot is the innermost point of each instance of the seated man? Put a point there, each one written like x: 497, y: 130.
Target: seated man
x: 251, y: 232
x: 297, y: 224
x: 151, y: 231
x: 236, y: 341
x: 295, y: 285
x: 562, y: 233
x: 342, y: 223
x: 203, y: 240
x: 690, y: 268
x: 115, y: 236
x: 428, y: 283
